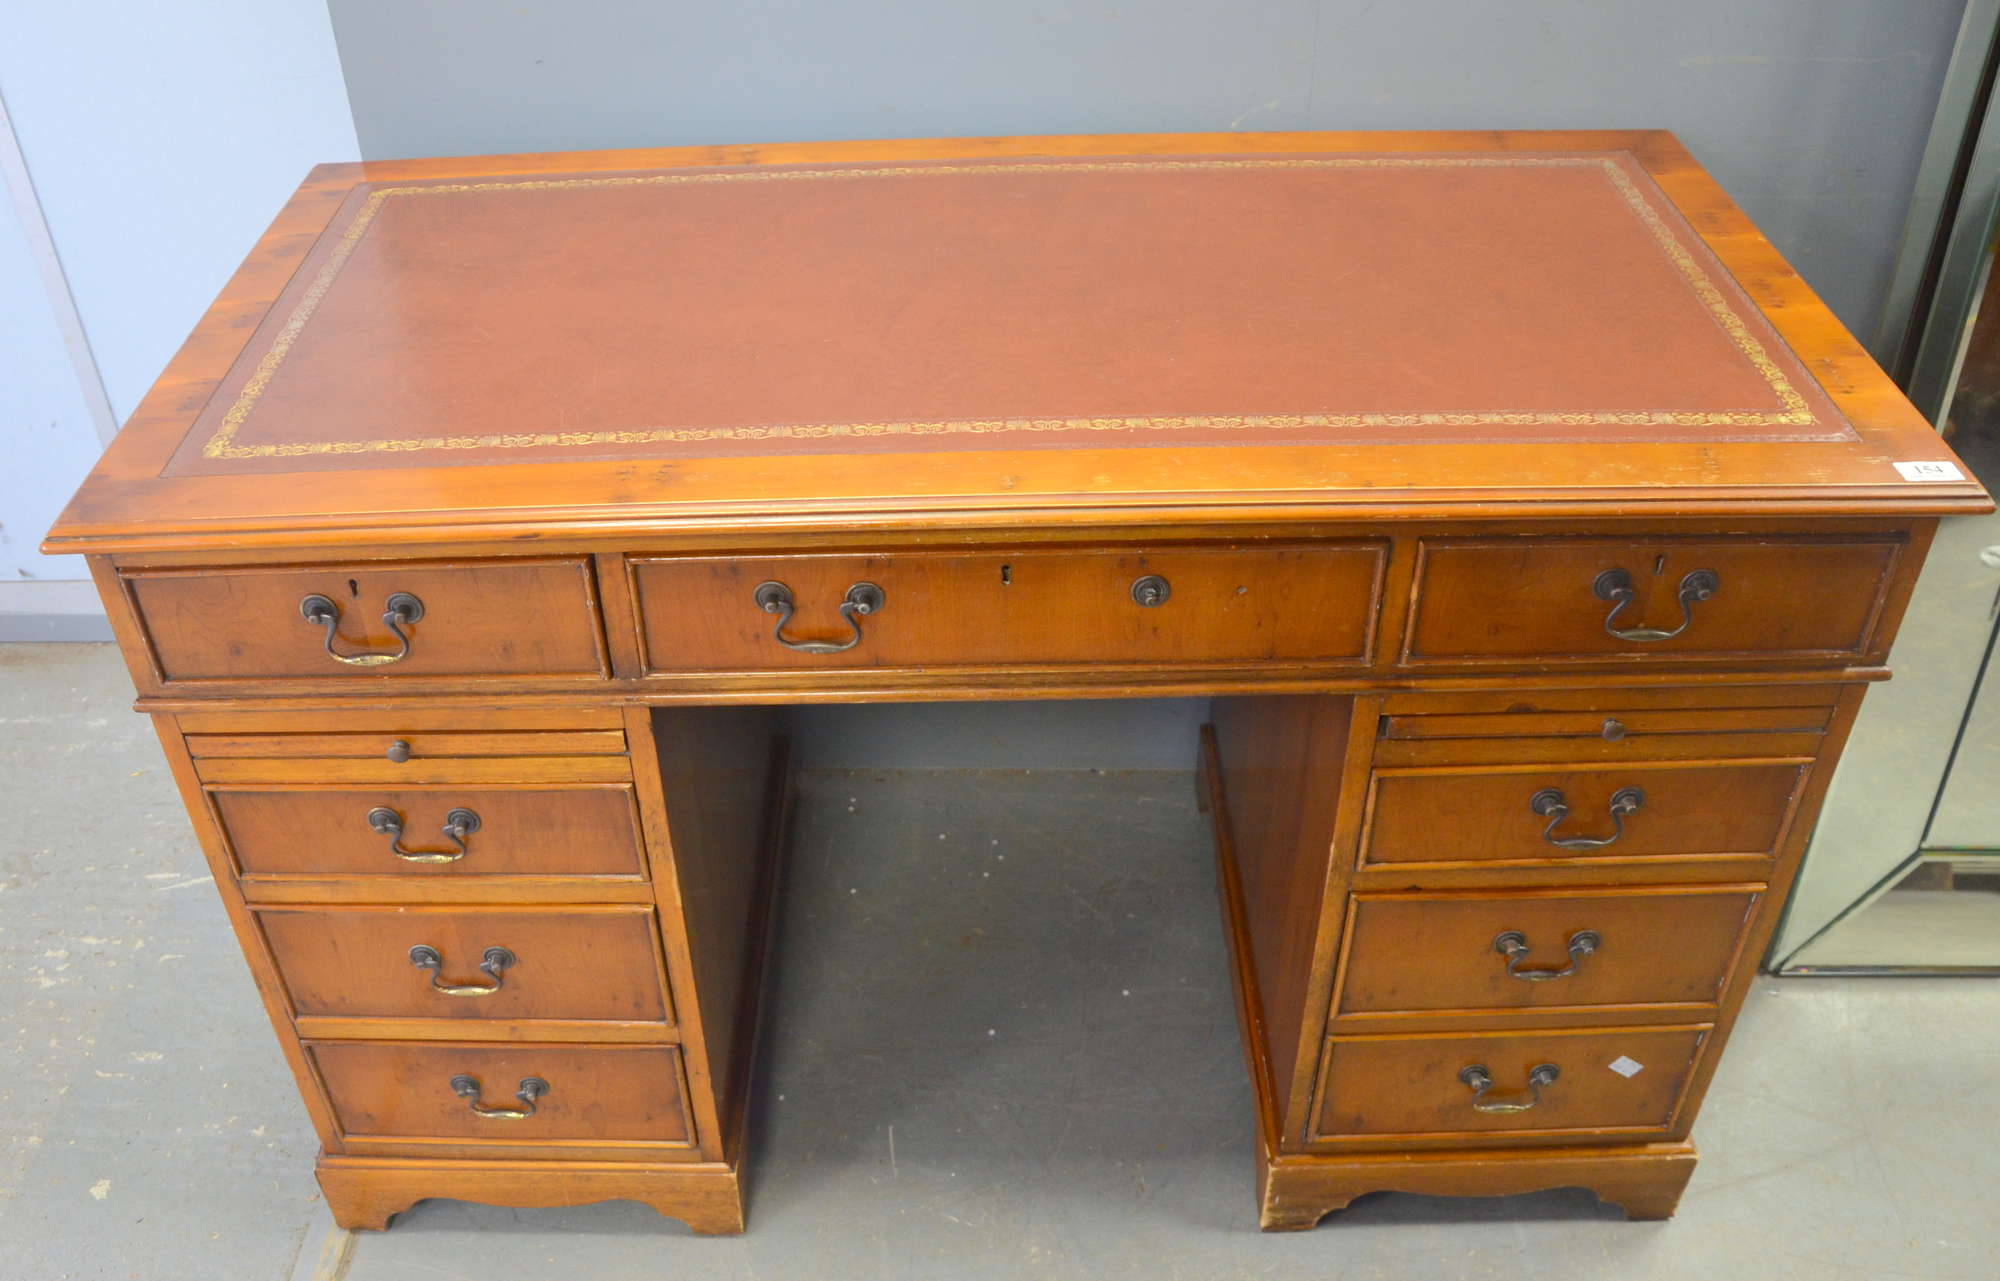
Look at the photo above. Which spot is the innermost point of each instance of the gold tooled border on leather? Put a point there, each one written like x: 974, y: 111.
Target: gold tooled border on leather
x: 1795, y: 411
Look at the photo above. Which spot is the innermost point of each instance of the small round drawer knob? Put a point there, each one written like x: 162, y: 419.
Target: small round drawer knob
x: 1151, y: 590
x: 399, y: 751
x: 1614, y: 729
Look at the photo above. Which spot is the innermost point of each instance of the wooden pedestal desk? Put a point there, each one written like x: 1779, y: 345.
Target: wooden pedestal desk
x: 1536, y: 529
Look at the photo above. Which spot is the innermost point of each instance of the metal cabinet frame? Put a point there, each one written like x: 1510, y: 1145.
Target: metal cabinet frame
x: 1879, y: 817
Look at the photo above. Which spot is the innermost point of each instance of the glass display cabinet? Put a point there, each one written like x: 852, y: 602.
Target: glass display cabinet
x: 1903, y: 875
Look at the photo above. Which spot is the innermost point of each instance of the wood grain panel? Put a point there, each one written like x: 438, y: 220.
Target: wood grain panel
x: 411, y: 744
x: 506, y: 891
x: 434, y: 714
x: 493, y: 618
x: 366, y: 1192
x: 1594, y: 749
x: 1634, y: 691
x: 1416, y: 952
x: 403, y: 1091
x: 571, y: 963
x: 468, y: 770
x: 1507, y: 599
x: 1458, y: 814
x: 720, y: 807
x: 1313, y: 602
x: 1625, y: 724
x: 1645, y: 1179
x: 1280, y: 761
x: 570, y: 831
x: 1383, y: 1088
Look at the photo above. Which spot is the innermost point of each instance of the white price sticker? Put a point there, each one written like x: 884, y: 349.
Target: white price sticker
x: 1627, y: 1067
x: 1929, y: 471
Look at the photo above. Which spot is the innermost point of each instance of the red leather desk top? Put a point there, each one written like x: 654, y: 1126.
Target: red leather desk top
x: 1007, y: 304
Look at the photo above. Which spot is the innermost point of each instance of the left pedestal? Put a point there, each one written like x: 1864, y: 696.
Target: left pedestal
x: 513, y: 954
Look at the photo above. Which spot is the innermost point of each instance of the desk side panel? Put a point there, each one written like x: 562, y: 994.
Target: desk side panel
x: 722, y: 782
x: 1282, y: 760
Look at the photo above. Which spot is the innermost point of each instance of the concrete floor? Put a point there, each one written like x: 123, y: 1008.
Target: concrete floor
x: 1003, y: 1048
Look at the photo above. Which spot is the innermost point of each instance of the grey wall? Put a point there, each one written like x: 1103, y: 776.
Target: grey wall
x: 143, y: 148
x: 50, y: 435
x: 1133, y: 733
x: 1811, y: 112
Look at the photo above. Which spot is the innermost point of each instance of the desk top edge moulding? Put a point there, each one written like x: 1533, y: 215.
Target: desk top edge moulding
x: 1533, y: 527
x: 1582, y: 321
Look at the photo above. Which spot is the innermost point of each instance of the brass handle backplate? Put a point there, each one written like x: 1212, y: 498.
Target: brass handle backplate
x: 1480, y: 1081
x: 1615, y: 586
x: 1550, y: 804
x: 399, y: 611
x: 531, y: 1088
x: 458, y: 824
x: 1514, y: 945
x: 495, y: 964
x: 776, y: 598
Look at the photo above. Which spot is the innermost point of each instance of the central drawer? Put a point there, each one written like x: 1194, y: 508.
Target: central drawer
x: 466, y: 963
x: 1304, y: 603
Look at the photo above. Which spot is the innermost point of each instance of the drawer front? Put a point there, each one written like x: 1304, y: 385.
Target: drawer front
x: 407, y: 745
x: 1311, y: 603
x: 382, y: 1091
x: 1626, y: 810
x: 571, y: 963
x: 492, y: 618
x: 1410, y: 953
x: 1553, y: 600
x: 522, y: 831
x: 1615, y: 1082
x: 1615, y: 725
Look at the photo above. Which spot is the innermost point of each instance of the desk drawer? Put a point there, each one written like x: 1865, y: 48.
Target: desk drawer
x: 1612, y: 1084
x: 1309, y: 603
x: 578, y: 963
x: 1452, y: 814
x: 389, y: 1094
x: 1412, y: 953
x: 1552, y: 600
x: 580, y: 830
x: 488, y: 618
